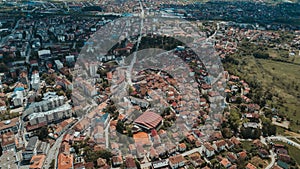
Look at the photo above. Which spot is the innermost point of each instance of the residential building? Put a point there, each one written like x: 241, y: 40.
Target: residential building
x: 11, y: 125
x: 35, y: 81
x: 160, y: 163
x: 37, y: 161
x: 31, y: 149
x: 8, y: 141
x: 176, y: 161
x: 208, y: 149
x: 65, y: 161
x: 130, y: 163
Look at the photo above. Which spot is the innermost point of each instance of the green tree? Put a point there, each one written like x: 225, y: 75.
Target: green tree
x: 120, y: 126
x: 234, y: 120
x: 42, y: 133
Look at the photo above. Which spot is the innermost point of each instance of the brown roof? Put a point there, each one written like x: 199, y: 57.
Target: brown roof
x: 8, y: 123
x: 65, y: 161
x: 37, y: 161
x: 276, y: 167
x: 250, y: 166
x: 130, y: 163
x: 208, y: 146
x: 225, y: 162
x: 242, y: 154
x: 149, y: 119
x: 235, y: 141
x: 141, y: 138
x: 176, y: 159
x: 7, y: 139
x: 220, y: 143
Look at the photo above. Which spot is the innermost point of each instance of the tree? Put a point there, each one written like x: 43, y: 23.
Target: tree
x: 226, y: 132
x: 234, y: 120
x: 268, y: 129
x: 120, y: 126
x: 42, y: 133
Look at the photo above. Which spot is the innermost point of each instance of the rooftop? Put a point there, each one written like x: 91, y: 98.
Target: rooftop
x: 37, y: 161
x: 9, y: 123
x: 149, y: 120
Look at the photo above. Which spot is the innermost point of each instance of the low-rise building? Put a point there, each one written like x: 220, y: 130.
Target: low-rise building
x: 11, y: 125
x: 176, y: 161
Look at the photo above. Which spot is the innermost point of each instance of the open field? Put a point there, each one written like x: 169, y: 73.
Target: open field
x: 278, y: 83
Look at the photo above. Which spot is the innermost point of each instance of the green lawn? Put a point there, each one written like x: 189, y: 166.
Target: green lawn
x: 247, y: 145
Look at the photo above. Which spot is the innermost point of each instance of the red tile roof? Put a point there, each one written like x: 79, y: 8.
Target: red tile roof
x: 149, y: 119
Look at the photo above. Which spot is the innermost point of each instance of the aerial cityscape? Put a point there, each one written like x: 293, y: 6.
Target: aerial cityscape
x: 145, y: 84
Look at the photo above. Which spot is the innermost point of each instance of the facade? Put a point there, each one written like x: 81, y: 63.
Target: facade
x: 35, y: 81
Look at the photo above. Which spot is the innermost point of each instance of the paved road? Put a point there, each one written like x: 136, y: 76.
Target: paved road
x: 133, y: 61
x: 285, y: 140
x: 272, y: 156
x: 53, y: 153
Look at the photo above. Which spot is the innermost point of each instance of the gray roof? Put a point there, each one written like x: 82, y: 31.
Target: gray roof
x: 31, y: 143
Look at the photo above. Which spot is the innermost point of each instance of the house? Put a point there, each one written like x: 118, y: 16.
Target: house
x: 181, y: 147
x: 229, y: 144
x: 281, y: 151
x: 160, y: 164
x: 176, y: 161
x: 284, y: 158
x: 235, y: 141
x: 263, y: 153
x: 276, y: 167
x: 231, y: 157
x: 250, y: 166
x: 117, y: 160
x: 130, y: 163
x: 101, y: 162
x: 153, y: 153
x: 141, y: 138
x: 196, y: 160
x: 242, y: 155
x: 171, y: 147
x: 208, y: 149
x: 225, y: 163
x: 220, y: 145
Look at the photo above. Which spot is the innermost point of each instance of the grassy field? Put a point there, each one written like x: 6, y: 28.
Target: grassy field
x: 280, y: 79
x: 284, y: 78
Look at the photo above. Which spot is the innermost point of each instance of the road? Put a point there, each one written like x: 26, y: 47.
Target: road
x: 53, y: 152
x: 272, y: 156
x: 133, y: 61
x: 285, y: 140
